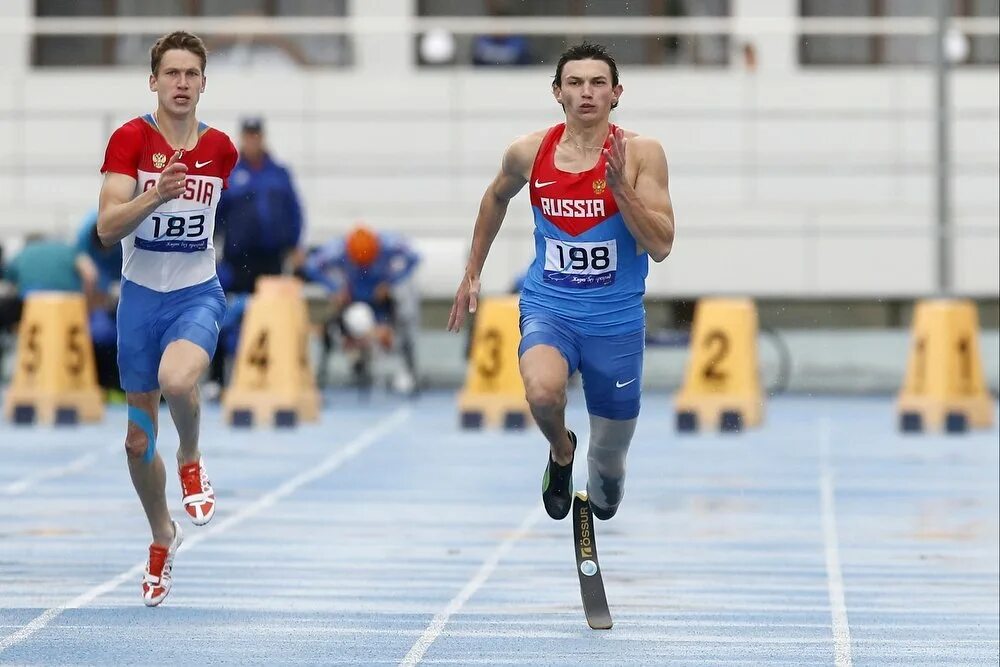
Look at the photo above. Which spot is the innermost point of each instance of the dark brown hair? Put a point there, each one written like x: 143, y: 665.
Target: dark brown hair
x: 586, y: 51
x: 178, y: 39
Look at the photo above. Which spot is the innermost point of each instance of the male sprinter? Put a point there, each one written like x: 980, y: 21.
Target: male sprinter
x: 602, y: 206
x: 163, y: 175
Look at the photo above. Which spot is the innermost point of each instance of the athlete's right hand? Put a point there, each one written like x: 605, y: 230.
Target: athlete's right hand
x: 170, y: 185
x: 466, y: 301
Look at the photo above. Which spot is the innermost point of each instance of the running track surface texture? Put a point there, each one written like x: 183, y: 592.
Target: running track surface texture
x: 385, y: 535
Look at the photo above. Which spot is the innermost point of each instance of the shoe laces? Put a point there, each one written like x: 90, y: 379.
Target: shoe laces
x: 157, y: 561
x: 191, y: 478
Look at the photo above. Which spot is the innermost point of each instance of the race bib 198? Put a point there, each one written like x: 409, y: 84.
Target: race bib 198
x: 582, y: 265
x: 178, y: 232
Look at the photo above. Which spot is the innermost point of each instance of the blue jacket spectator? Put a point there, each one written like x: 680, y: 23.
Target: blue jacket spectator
x: 259, y: 216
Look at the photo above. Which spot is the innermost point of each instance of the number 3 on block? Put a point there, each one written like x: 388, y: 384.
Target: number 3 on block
x: 493, y: 368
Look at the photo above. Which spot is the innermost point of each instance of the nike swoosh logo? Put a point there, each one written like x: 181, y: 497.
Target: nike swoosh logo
x: 199, y: 165
x: 625, y: 384
x: 539, y: 184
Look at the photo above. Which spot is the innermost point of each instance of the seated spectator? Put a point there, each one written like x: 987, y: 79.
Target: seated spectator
x: 49, y: 265
x: 365, y: 267
x: 42, y: 265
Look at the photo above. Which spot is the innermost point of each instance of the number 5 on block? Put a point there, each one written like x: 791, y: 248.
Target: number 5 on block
x: 493, y: 394
x: 722, y: 382
x: 55, y: 379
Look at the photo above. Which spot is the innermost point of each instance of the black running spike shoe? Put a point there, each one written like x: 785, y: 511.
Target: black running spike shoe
x: 557, y: 485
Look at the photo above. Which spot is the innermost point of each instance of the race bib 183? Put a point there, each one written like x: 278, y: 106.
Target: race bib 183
x: 582, y: 265
x: 177, y: 232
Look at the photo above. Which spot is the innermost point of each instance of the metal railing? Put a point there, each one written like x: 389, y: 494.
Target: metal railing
x: 547, y: 25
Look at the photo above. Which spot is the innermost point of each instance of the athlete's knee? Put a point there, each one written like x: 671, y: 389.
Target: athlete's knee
x: 136, y: 444
x: 176, y: 382
x: 544, y: 393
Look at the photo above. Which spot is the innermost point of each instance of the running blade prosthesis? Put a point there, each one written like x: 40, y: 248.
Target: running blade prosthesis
x: 588, y: 568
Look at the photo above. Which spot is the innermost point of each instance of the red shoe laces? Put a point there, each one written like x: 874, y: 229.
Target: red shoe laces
x: 191, y: 479
x: 157, y: 558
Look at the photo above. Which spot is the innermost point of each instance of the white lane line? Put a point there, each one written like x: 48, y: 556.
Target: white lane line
x: 76, y: 465
x: 440, y: 619
x: 328, y: 465
x: 834, y: 576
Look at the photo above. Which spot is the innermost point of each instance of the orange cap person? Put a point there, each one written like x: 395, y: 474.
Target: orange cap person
x: 362, y: 245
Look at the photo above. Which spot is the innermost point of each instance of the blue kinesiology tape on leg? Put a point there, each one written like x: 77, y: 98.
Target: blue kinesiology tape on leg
x: 140, y: 418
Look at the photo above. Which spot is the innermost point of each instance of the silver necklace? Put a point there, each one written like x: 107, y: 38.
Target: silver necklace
x: 582, y: 146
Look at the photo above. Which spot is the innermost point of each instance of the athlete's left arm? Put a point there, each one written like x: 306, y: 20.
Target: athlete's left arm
x: 645, y: 202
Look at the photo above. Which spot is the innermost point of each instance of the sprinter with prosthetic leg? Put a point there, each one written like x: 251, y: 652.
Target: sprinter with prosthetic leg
x: 601, y: 205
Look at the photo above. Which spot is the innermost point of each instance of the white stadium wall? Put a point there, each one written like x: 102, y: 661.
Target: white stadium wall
x: 786, y: 182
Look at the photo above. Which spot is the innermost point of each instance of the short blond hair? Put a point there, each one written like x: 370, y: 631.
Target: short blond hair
x: 178, y: 39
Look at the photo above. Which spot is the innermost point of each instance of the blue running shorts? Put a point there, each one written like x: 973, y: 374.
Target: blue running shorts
x: 148, y: 321
x: 611, y: 366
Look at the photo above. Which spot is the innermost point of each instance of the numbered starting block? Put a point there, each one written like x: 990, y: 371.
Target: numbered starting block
x: 55, y: 378
x: 944, y: 388
x: 493, y: 395
x: 273, y: 383
x: 721, y: 390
